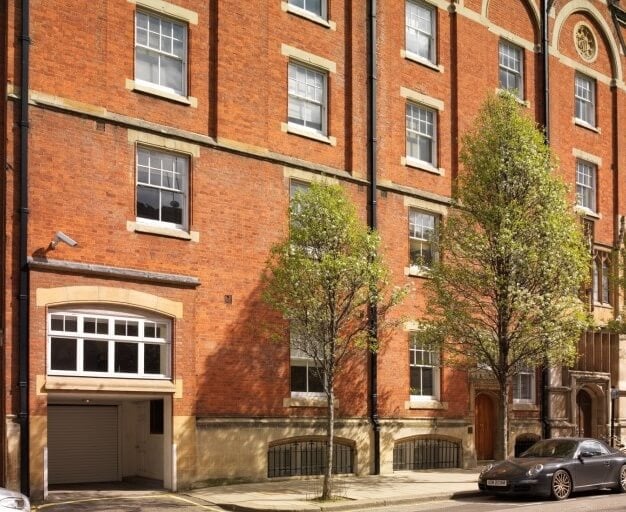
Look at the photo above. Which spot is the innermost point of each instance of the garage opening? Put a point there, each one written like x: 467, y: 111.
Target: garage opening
x: 83, y: 444
x: 121, y: 443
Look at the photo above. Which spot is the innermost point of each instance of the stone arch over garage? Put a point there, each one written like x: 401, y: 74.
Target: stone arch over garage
x: 107, y: 294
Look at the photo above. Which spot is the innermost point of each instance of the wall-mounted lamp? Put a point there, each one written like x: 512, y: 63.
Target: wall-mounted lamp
x: 59, y: 236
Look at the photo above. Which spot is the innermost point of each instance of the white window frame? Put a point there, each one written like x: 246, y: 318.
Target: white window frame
x: 294, y: 96
x: 141, y: 340
x: 160, y: 54
x: 510, y: 55
x: 586, y: 185
x: 323, y: 14
x: 413, y: 9
x: 585, y: 100
x: 416, y: 113
x: 181, y: 168
x: 415, y: 236
x: 516, y: 386
x: 433, y: 358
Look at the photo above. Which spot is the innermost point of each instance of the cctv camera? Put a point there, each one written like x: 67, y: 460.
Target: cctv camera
x: 59, y: 236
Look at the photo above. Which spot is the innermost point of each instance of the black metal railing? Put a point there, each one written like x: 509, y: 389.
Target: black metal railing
x: 426, y: 454
x: 307, y: 458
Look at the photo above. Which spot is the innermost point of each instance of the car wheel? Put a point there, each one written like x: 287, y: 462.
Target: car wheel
x: 562, y: 484
x: 621, y: 479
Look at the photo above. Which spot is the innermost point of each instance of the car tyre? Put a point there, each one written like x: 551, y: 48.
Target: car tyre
x: 621, y: 479
x: 562, y: 484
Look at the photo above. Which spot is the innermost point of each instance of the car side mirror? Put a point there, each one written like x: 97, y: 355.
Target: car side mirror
x: 585, y: 455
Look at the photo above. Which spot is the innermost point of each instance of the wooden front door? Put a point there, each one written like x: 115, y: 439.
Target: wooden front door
x: 583, y: 406
x: 485, y: 425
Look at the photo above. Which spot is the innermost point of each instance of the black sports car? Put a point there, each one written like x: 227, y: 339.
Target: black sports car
x: 557, y: 467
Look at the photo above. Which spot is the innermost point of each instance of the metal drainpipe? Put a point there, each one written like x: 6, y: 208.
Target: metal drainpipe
x: 371, y: 169
x: 23, y: 237
x: 545, y: 53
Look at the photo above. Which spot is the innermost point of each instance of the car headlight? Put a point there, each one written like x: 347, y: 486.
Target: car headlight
x: 485, y: 469
x: 535, y: 470
x: 15, y: 503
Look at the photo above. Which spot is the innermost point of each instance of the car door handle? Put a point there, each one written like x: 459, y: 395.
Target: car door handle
x: 607, y: 463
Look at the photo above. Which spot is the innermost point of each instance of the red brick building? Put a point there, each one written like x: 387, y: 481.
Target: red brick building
x: 164, y: 138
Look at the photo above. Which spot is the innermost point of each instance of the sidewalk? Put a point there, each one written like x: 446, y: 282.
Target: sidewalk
x: 354, y: 492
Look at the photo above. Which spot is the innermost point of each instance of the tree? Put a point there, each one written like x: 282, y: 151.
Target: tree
x: 505, y: 293
x: 324, y: 279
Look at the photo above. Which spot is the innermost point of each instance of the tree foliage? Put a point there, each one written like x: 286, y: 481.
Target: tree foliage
x: 505, y: 293
x: 324, y: 279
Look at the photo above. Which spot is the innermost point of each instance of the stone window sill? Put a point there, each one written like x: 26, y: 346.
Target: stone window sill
x: 317, y: 402
x: 133, y: 85
x: 420, y: 60
x: 308, y: 133
x: 421, y: 165
x: 138, y: 227
x: 426, y: 405
x: 587, y: 126
x: 522, y: 406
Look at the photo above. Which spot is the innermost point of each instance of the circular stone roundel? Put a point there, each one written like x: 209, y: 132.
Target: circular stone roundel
x: 585, y: 42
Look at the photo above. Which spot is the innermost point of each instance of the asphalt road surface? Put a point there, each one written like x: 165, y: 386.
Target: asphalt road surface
x: 584, y: 502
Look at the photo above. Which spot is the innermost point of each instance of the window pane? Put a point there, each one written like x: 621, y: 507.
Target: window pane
x: 298, y: 378
x: 172, y: 73
x: 152, y: 359
x: 147, y: 203
x: 126, y: 358
x: 147, y: 65
x: 95, y: 356
x: 63, y: 354
x: 56, y: 322
x: 172, y: 207
x: 315, y: 383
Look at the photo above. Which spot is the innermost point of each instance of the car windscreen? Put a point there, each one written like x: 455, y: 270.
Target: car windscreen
x: 552, y: 448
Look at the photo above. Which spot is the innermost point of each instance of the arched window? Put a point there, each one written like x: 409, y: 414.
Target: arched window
x: 92, y: 342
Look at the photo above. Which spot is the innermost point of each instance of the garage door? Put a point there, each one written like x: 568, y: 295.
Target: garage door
x: 82, y: 444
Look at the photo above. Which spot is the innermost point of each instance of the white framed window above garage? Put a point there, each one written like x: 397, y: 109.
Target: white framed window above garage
x: 585, y: 100
x: 161, y: 53
x: 420, y: 31
x: 98, y: 343
x: 511, y: 68
x: 162, y: 188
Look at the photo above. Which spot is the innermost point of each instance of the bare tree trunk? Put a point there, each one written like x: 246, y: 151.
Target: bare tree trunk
x: 504, y: 399
x: 327, y: 489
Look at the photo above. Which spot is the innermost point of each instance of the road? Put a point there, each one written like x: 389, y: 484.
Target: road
x: 587, y: 502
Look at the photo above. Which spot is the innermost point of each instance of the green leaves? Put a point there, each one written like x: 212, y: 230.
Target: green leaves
x: 505, y: 293
x: 325, y: 276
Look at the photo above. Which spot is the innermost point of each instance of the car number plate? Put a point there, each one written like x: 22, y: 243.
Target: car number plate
x: 497, y: 483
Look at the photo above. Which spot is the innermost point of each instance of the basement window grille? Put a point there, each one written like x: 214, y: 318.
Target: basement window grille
x: 303, y: 458
x: 426, y: 454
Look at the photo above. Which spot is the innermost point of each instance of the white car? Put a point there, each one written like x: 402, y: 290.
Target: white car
x: 10, y: 501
